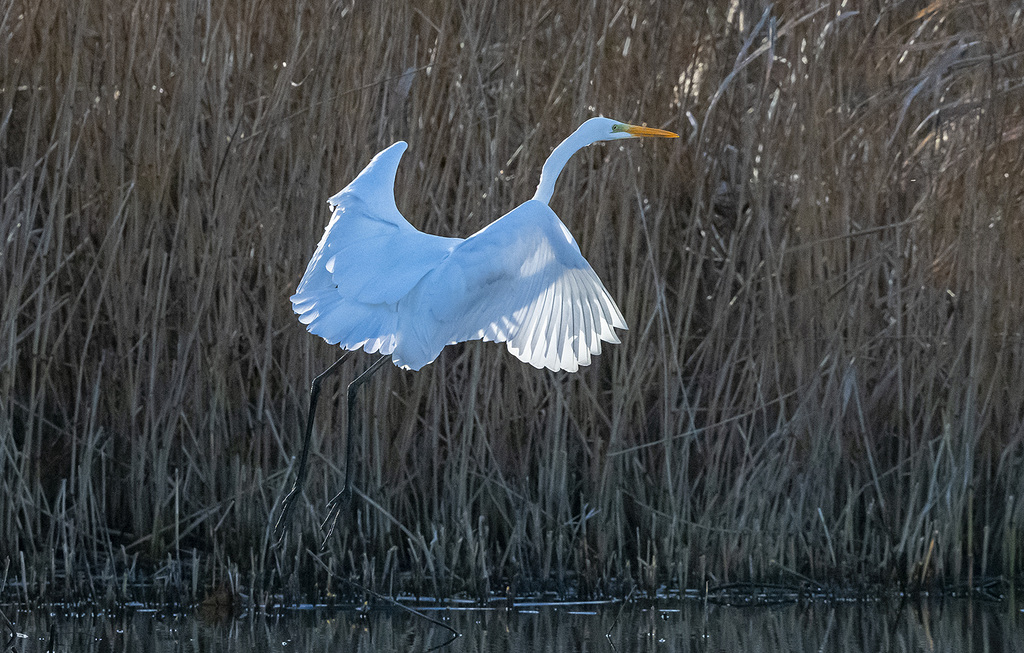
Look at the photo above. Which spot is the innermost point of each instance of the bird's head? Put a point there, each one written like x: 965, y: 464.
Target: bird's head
x: 606, y: 129
x: 592, y: 131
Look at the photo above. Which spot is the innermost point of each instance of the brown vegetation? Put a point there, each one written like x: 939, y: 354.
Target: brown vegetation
x: 824, y: 376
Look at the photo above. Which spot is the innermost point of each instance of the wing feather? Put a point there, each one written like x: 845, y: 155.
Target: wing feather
x: 562, y: 315
x: 368, y: 259
x: 577, y: 334
x: 540, y: 329
x: 590, y: 337
x: 581, y: 341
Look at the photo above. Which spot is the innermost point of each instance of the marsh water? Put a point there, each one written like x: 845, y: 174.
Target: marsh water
x: 948, y: 625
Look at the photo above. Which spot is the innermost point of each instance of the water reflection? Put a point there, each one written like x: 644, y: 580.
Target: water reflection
x: 952, y: 625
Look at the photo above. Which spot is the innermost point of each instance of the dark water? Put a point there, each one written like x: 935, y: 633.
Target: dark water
x: 951, y: 625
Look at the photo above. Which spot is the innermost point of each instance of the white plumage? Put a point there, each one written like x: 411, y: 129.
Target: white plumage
x: 376, y: 282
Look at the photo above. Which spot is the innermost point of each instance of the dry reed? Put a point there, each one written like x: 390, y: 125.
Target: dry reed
x: 822, y: 278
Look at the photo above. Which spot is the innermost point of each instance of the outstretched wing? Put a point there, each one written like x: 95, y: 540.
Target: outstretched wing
x: 520, y: 280
x: 369, y: 258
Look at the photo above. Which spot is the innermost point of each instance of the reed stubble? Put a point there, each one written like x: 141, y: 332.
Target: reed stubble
x: 823, y: 375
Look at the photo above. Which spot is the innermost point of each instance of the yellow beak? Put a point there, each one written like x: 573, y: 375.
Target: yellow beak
x: 634, y: 130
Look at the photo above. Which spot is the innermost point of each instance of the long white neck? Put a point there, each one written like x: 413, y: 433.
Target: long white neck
x: 559, y: 157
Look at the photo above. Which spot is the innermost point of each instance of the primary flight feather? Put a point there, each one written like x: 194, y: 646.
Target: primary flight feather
x: 376, y: 282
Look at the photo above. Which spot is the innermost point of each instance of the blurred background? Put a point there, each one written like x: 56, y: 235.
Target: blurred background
x: 822, y: 380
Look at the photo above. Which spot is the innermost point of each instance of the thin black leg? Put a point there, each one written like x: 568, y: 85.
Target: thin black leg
x: 342, y: 499
x: 289, y: 501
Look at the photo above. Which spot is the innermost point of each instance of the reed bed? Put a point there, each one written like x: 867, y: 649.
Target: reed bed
x: 822, y: 380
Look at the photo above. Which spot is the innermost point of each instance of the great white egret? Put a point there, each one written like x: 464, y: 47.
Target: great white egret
x: 377, y: 283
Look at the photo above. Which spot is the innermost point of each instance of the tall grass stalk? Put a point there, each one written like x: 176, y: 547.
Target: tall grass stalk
x: 822, y: 278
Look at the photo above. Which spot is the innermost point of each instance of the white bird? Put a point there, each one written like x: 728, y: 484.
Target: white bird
x: 377, y: 283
